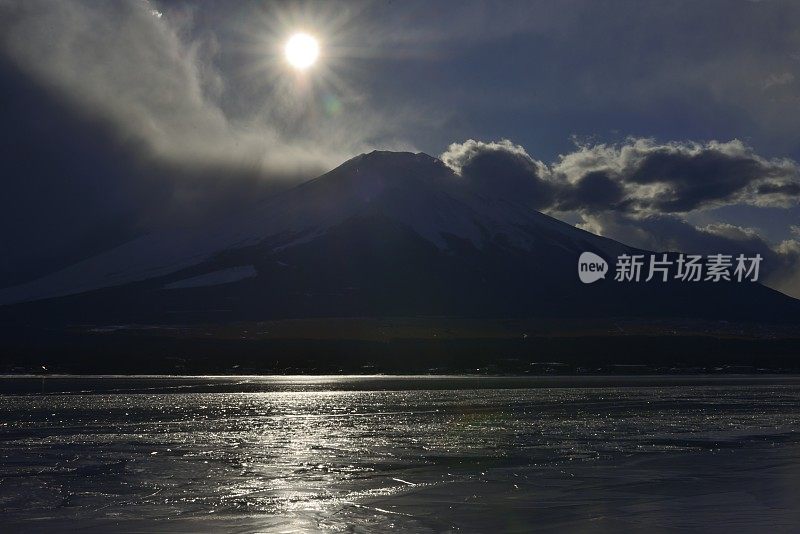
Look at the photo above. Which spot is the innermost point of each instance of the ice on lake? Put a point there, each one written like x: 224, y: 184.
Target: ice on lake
x: 422, y: 454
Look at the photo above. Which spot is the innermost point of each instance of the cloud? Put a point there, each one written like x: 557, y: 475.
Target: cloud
x: 640, y: 177
x: 640, y: 192
x: 146, y: 72
x: 788, y: 279
x: 501, y: 169
x: 780, y: 268
x: 678, y: 177
x: 777, y: 80
x: 75, y: 185
x: 458, y: 155
x: 120, y: 120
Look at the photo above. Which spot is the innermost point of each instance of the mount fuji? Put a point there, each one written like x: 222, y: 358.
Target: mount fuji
x: 384, y: 234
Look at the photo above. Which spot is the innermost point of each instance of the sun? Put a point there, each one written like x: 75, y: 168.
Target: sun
x: 302, y: 51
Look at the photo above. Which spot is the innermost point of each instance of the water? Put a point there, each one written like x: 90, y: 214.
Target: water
x: 368, y: 453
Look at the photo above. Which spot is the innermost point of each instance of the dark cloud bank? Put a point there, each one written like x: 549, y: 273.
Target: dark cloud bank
x: 643, y: 193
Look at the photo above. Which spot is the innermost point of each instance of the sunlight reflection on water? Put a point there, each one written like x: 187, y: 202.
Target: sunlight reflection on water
x: 168, y: 450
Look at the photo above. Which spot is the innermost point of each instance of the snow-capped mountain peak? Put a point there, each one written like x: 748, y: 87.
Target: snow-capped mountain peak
x: 415, y: 191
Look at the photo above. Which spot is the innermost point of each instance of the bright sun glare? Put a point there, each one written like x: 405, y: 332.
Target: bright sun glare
x: 302, y: 51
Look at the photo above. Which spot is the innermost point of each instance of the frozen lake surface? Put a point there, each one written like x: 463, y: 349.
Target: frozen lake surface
x: 413, y: 454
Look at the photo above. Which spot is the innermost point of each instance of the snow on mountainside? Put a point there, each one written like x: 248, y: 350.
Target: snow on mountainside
x: 416, y: 191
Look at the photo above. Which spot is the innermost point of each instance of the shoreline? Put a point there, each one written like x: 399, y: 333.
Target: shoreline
x: 48, y: 385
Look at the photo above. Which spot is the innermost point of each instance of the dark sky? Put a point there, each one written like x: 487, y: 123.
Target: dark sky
x: 661, y: 124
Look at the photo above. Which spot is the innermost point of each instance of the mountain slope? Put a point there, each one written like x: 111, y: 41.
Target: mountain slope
x: 384, y: 234
x: 413, y: 189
